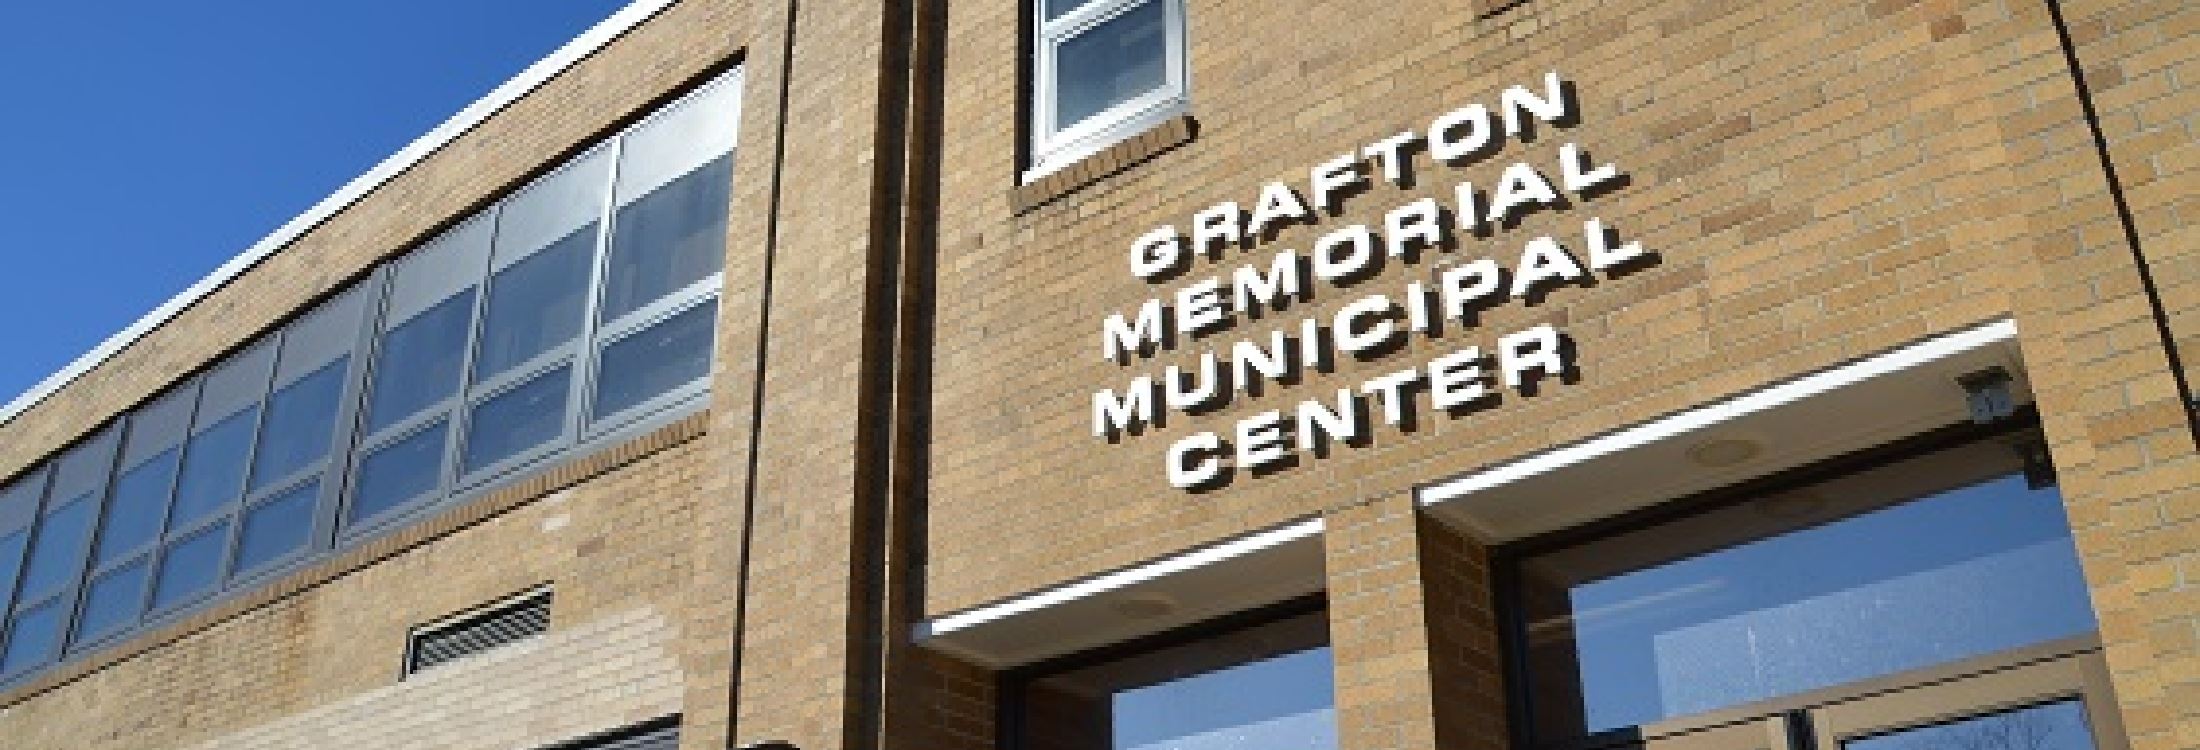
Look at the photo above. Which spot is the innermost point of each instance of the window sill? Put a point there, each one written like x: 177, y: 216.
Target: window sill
x: 1161, y: 138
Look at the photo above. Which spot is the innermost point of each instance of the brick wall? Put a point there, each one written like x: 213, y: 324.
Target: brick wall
x: 1821, y: 181
x: 321, y: 667
x: 2136, y: 500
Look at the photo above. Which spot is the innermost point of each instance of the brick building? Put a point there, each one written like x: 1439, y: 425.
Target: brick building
x: 1175, y: 374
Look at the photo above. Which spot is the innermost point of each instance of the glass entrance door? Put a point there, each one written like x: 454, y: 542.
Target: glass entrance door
x: 2053, y: 696
x: 2031, y: 701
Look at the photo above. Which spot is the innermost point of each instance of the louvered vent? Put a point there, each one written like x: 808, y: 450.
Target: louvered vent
x: 516, y: 619
x: 667, y: 738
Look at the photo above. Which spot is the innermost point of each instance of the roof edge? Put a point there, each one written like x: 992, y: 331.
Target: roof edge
x: 537, y: 74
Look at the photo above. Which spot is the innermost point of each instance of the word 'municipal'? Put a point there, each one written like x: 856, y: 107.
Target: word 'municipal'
x: 1374, y: 325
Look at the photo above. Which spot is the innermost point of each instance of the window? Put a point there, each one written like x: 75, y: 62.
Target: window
x: 578, y: 310
x: 210, y: 485
x: 129, y: 531
x: 658, y: 318
x: 60, y: 545
x: 1104, y: 70
x: 1268, y: 686
x: 421, y: 351
x: 1923, y: 562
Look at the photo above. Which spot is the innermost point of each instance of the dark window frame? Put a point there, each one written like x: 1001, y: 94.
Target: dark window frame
x: 1507, y: 560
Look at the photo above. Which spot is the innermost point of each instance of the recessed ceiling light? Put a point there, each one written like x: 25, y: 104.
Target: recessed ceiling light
x: 1719, y: 453
x: 1143, y: 606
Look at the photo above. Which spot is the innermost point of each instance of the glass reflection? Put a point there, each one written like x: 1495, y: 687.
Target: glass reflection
x: 672, y: 237
x: 11, y: 562
x: 213, y: 469
x: 191, y: 567
x: 517, y: 420
x: 112, y: 602
x: 301, y: 418
x: 1059, y: 8
x: 1819, y: 587
x: 420, y: 361
x: 275, y: 529
x: 134, y: 510
x: 58, y: 554
x: 33, y: 640
x: 669, y: 354
x: 2055, y: 726
x: 399, y: 472
x: 1111, y: 63
x: 535, y: 304
x: 1264, y: 688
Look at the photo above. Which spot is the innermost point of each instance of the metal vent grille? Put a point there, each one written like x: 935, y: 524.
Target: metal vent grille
x: 663, y: 739
x: 515, y: 619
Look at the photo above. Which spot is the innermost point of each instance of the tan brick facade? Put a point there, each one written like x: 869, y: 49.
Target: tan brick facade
x: 899, y: 428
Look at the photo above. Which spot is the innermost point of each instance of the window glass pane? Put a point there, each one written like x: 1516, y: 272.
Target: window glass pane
x: 300, y: 420
x: 33, y: 640
x: 327, y: 333
x: 555, y: 208
x: 83, y: 470
x: 134, y: 508
x: 19, y: 502
x: 669, y: 239
x: 213, y: 469
x: 673, y: 142
x: 399, y: 472
x: 11, y: 562
x: 2054, y: 726
x: 666, y: 355
x: 57, y: 555
x: 1058, y: 8
x: 158, y: 426
x: 420, y: 361
x: 237, y: 384
x: 1844, y: 581
x: 112, y: 602
x: 1113, y: 62
x: 1268, y: 687
x: 453, y: 262
x: 191, y: 567
x: 516, y: 420
x: 536, y: 304
x: 276, y: 528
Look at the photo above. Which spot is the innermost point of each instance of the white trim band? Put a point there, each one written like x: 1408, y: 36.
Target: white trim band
x: 1709, y: 415
x: 595, y: 38
x: 1164, y: 567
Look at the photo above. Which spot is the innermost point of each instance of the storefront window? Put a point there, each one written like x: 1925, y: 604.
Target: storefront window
x: 1267, y: 687
x: 1909, y: 565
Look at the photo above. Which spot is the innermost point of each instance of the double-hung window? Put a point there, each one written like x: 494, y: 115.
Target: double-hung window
x: 1104, y: 70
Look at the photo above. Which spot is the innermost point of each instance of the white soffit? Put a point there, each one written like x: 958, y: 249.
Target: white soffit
x: 1244, y: 573
x: 413, y: 153
x: 1853, y: 406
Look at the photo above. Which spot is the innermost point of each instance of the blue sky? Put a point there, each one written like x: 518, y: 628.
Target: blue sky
x: 151, y: 141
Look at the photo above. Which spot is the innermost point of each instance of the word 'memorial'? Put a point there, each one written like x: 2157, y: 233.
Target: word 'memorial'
x: 1464, y: 380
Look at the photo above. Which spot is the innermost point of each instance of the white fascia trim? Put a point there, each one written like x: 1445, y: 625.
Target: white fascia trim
x: 1766, y: 399
x: 595, y: 38
x: 1090, y: 587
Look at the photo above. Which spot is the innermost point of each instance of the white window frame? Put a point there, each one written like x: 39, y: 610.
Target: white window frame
x: 1053, y: 149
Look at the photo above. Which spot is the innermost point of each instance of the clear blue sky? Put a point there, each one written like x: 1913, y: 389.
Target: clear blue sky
x: 149, y: 141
